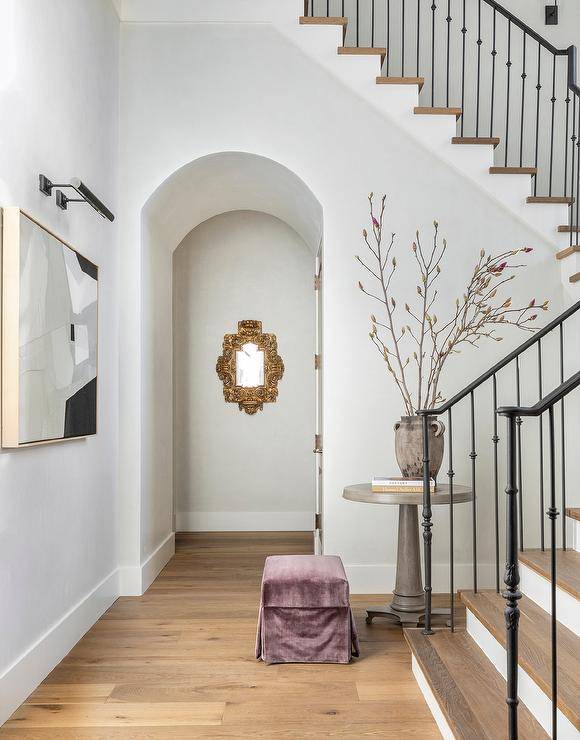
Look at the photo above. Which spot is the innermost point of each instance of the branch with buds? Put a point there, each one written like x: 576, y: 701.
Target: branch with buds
x: 412, y: 340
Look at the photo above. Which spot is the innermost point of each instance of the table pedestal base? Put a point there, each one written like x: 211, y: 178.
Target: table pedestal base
x: 406, y: 619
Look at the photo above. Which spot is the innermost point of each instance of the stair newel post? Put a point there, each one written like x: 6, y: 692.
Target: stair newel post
x: 495, y: 440
x: 563, y: 437
x: 512, y: 579
x: 553, y: 515
x: 427, y: 524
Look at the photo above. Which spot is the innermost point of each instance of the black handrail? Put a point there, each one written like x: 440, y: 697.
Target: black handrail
x: 545, y: 403
x: 558, y: 321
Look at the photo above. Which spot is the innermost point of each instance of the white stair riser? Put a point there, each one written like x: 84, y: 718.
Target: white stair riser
x: 528, y: 691
x: 537, y: 589
x: 575, y: 522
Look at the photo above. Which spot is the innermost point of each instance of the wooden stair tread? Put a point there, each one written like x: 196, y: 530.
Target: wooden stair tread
x: 567, y: 568
x: 421, y: 110
x: 549, y: 199
x: 563, y: 253
x: 569, y: 229
x: 534, y: 654
x: 363, y: 50
x: 575, y: 278
x: 309, y: 20
x: 489, y: 140
x: 469, y: 690
x: 574, y: 513
x: 513, y: 171
x: 419, y: 81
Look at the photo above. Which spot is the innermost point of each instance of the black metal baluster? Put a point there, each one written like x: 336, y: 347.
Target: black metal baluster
x: 493, y: 56
x: 577, y: 222
x: 524, y: 75
x: 553, y: 101
x: 433, y: 9
x: 418, y: 33
x: 508, y: 64
x: 519, y: 455
x: 450, y: 475
x: 511, y: 579
x: 464, y: 32
x: 328, y: 8
x: 563, y: 438
x: 373, y: 23
x: 479, y: 42
x: 388, y: 35
x: 473, y: 456
x: 567, y: 101
x: 541, y: 423
x: 403, y: 39
x: 553, y: 515
x: 342, y: 14
x: 357, y: 21
x: 448, y: 21
x: 572, y: 182
x: 427, y: 534
x: 495, y: 440
x: 538, y: 88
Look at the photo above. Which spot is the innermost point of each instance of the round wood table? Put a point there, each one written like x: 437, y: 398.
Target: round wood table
x: 408, y: 604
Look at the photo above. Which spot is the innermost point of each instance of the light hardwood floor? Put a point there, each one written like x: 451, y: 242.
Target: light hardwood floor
x: 179, y: 662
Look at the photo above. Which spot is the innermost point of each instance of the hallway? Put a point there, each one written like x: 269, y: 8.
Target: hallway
x: 178, y: 663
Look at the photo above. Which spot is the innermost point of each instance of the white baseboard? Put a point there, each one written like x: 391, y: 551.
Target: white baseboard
x: 379, y: 578
x: 135, y: 580
x: 245, y: 521
x: 432, y: 702
x: 528, y: 690
x: 29, y: 669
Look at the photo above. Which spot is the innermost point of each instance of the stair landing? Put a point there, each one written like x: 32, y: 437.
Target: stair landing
x: 468, y: 689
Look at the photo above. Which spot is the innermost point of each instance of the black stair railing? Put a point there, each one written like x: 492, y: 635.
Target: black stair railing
x: 512, y: 593
x: 546, y: 344
x: 515, y: 89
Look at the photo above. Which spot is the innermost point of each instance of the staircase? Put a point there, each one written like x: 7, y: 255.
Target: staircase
x: 472, y: 83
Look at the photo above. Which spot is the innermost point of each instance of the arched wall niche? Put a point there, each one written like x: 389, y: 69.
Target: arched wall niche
x: 206, y: 187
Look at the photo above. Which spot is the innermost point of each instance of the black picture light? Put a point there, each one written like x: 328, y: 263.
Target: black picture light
x: 46, y: 186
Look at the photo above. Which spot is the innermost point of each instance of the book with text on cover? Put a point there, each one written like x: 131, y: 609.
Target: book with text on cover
x: 397, y: 484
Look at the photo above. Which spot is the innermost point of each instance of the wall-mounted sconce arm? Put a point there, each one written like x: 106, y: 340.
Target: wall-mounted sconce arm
x: 46, y: 186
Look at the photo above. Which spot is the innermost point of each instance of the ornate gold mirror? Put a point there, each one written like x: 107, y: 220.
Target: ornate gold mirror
x: 250, y: 367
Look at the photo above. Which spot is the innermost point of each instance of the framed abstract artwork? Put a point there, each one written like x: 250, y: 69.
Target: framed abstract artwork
x: 49, y: 335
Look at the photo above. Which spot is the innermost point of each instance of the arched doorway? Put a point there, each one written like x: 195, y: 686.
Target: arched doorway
x: 207, y: 187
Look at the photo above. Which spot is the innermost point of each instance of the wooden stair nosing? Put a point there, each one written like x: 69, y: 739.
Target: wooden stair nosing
x: 569, y: 229
x: 575, y: 278
x: 553, y: 199
x: 563, y: 253
x: 421, y: 110
x: 571, y: 512
x: 363, y: 51
x: 419, y: 81
x: 534, y: 654
x: 489, y: 140
x: 567, y: 567
x: 467, y: 687
x: 513, y: 171
x: 310, y: 20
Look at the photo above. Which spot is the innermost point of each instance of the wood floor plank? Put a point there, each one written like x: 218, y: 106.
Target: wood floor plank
x: 71, y: 693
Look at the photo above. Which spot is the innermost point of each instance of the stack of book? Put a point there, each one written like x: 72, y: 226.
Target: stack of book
x: 400, y: 485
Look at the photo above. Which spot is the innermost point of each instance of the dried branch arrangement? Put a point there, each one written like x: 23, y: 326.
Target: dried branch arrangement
x: 414, y: 343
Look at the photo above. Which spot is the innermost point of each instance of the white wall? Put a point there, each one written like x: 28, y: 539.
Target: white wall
x: 341, y: 149
x: 232, y: 470
x: 59, y: 103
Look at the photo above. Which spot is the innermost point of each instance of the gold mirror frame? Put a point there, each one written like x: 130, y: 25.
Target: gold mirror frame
x: 250, y: 400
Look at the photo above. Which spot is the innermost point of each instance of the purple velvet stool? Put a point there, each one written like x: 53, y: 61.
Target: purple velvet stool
x: 305, y: 614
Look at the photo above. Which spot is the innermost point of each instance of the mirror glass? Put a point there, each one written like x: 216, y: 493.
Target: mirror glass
x: 249, y: 366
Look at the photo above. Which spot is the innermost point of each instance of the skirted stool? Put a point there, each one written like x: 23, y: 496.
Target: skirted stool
x: 305, y: 614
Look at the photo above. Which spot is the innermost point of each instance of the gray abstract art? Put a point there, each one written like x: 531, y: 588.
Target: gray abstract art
x: 57, y: 338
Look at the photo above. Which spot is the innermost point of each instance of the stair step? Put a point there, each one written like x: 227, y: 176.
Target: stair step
x: 490, y: 140
x: 513, y: 171
x: 534, y: 654
x: 575, y: 278
x: 309, y: 20
x: 469, y: 690
x: 573, y: 513
x: 425, y: 111
x: 363, y: 51
x: 419, y: 81
x: 567, y: 568
x: 563, y: 253
x: 569, y: 229
x: 550, y: 199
